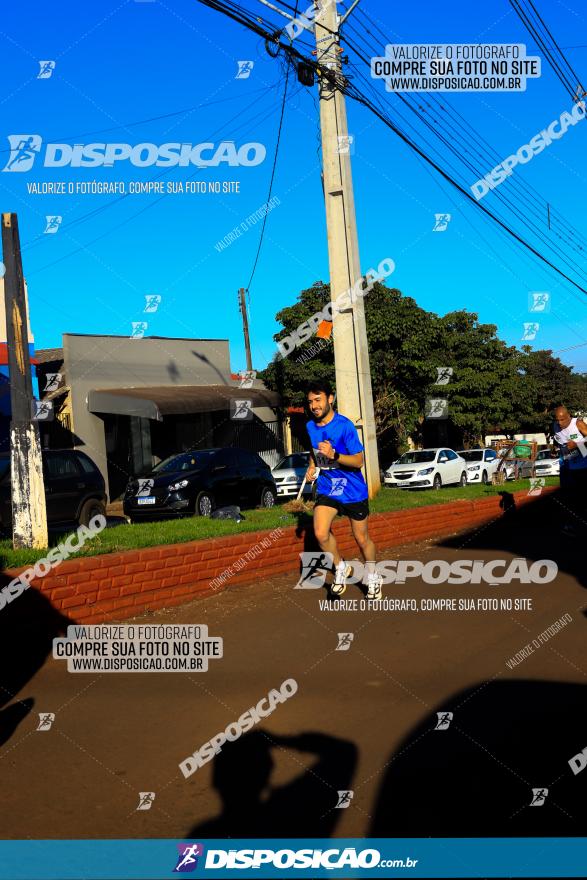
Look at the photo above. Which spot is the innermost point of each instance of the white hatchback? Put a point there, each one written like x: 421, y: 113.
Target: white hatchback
x: 427, y: 469
x: 481, y: 464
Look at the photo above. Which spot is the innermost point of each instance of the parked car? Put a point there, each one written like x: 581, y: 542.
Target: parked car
x: 289, y: 474
x: 547, y: 464
x: 427, y: 468
x: 197, y: 482
x: 74, y: 488
x: 508, y: 467
x: 481, y: 464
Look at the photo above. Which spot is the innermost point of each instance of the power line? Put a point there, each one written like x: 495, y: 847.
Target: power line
x: 248, y: 287
x: 243, y: 16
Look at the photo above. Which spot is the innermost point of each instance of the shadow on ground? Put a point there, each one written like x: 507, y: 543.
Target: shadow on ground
x: 534, y: 532
x: 28, y: 625
x: 253, y: 807
x: 475, y: 779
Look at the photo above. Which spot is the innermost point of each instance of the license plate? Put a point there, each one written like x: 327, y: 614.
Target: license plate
x: 148, y: 500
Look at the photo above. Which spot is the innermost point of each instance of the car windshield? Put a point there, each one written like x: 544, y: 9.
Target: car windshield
x: 417, y: 456
x: 187, y: 461
x: 472, y: 454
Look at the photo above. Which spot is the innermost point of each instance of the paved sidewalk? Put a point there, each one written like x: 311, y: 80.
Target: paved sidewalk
x: 363, y: 719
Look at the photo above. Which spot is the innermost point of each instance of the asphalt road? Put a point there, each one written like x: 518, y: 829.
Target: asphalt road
x: 362, y: 720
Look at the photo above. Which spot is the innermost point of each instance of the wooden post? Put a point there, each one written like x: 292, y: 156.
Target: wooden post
x: 29, y: 515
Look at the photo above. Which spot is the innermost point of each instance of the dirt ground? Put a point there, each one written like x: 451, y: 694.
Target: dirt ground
x: 362, y: 720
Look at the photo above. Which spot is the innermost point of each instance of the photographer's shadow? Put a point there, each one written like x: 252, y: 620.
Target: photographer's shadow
x: 252, y: 807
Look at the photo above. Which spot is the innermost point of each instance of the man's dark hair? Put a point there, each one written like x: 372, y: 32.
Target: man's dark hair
x: 319, y: 386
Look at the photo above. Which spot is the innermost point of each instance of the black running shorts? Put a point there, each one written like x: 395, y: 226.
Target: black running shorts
x: 358, y: 510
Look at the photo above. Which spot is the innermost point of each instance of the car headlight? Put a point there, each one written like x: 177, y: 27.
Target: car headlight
x: 425, y: 471
x: 475, y: 467
x: 181, y: 484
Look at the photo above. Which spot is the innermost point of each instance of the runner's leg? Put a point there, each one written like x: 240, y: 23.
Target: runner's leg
x: 323, y: 517
x: 360, y: 531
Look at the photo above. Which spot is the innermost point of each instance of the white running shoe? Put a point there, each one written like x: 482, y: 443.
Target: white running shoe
x: 341, y: 573
x: 374, y: 582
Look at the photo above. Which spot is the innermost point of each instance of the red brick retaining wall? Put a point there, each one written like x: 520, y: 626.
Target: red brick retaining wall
x: 119, y: 585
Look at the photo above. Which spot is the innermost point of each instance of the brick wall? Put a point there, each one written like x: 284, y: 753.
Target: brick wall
x: 119, y: 585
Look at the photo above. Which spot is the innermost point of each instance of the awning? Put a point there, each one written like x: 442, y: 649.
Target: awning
x: 157, y: 402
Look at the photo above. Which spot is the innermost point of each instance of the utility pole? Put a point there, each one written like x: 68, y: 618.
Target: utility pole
x: 351, y: 353
x: 29, y: 515
x: 243, y: 310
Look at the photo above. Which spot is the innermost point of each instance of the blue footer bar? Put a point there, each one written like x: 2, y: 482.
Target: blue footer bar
x: 337, y: 858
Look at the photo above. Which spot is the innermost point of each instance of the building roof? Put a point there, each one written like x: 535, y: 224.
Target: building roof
x: 48, y: 355
x: 159, y: 401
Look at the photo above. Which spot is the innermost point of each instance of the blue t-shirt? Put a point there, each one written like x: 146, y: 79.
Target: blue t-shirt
x: 345, y: 484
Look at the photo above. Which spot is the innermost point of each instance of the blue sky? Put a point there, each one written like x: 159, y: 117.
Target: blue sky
x: 122, y: 62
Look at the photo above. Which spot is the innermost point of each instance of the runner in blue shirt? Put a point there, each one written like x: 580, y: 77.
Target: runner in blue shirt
x: 341, y: 488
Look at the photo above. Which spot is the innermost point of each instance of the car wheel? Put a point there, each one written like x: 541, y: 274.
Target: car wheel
x: 484, y: 478
x: 91, y: 508
x: 463, y: 480
x: 268, y: 497
x: 204, y: 504
x: 437, y: 482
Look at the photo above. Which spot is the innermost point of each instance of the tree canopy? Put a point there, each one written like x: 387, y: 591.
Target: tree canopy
x: 494, y: 387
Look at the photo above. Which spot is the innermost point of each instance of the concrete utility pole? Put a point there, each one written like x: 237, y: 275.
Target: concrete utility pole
x: 243, y: 310
x: 29, y: 515
x: 351, y: 354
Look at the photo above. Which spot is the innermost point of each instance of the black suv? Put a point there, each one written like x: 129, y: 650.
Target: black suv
x: 195, y: 483
x: 74, y: 488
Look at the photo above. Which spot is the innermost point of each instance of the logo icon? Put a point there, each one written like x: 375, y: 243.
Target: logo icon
x: 52, y: 381
x: 46, y: 719
x: 187, y: 860
x: 46, y: 69
x: 42, y: 410
x: 536, y: 485
x: 53, y: 223
x: 138, y: 329
x: 530, y: 330
x: 443, y: 375
x: 246, y: 378
x: 23, y: 151
x: 146, y: 799
x: 344, y: 641
x: 539, y: 795
x: 444, y: 719
x: 441, y: 222
x: 345, y: 144
x: 144, y: 487
x: 152, y: 302
x: 344, y: 800
x: 436, y: 408
x: 338, y: 485
x: 314, y: 568
x: 539, y: 301
x: 241, y: 410
x: 244, y: 69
